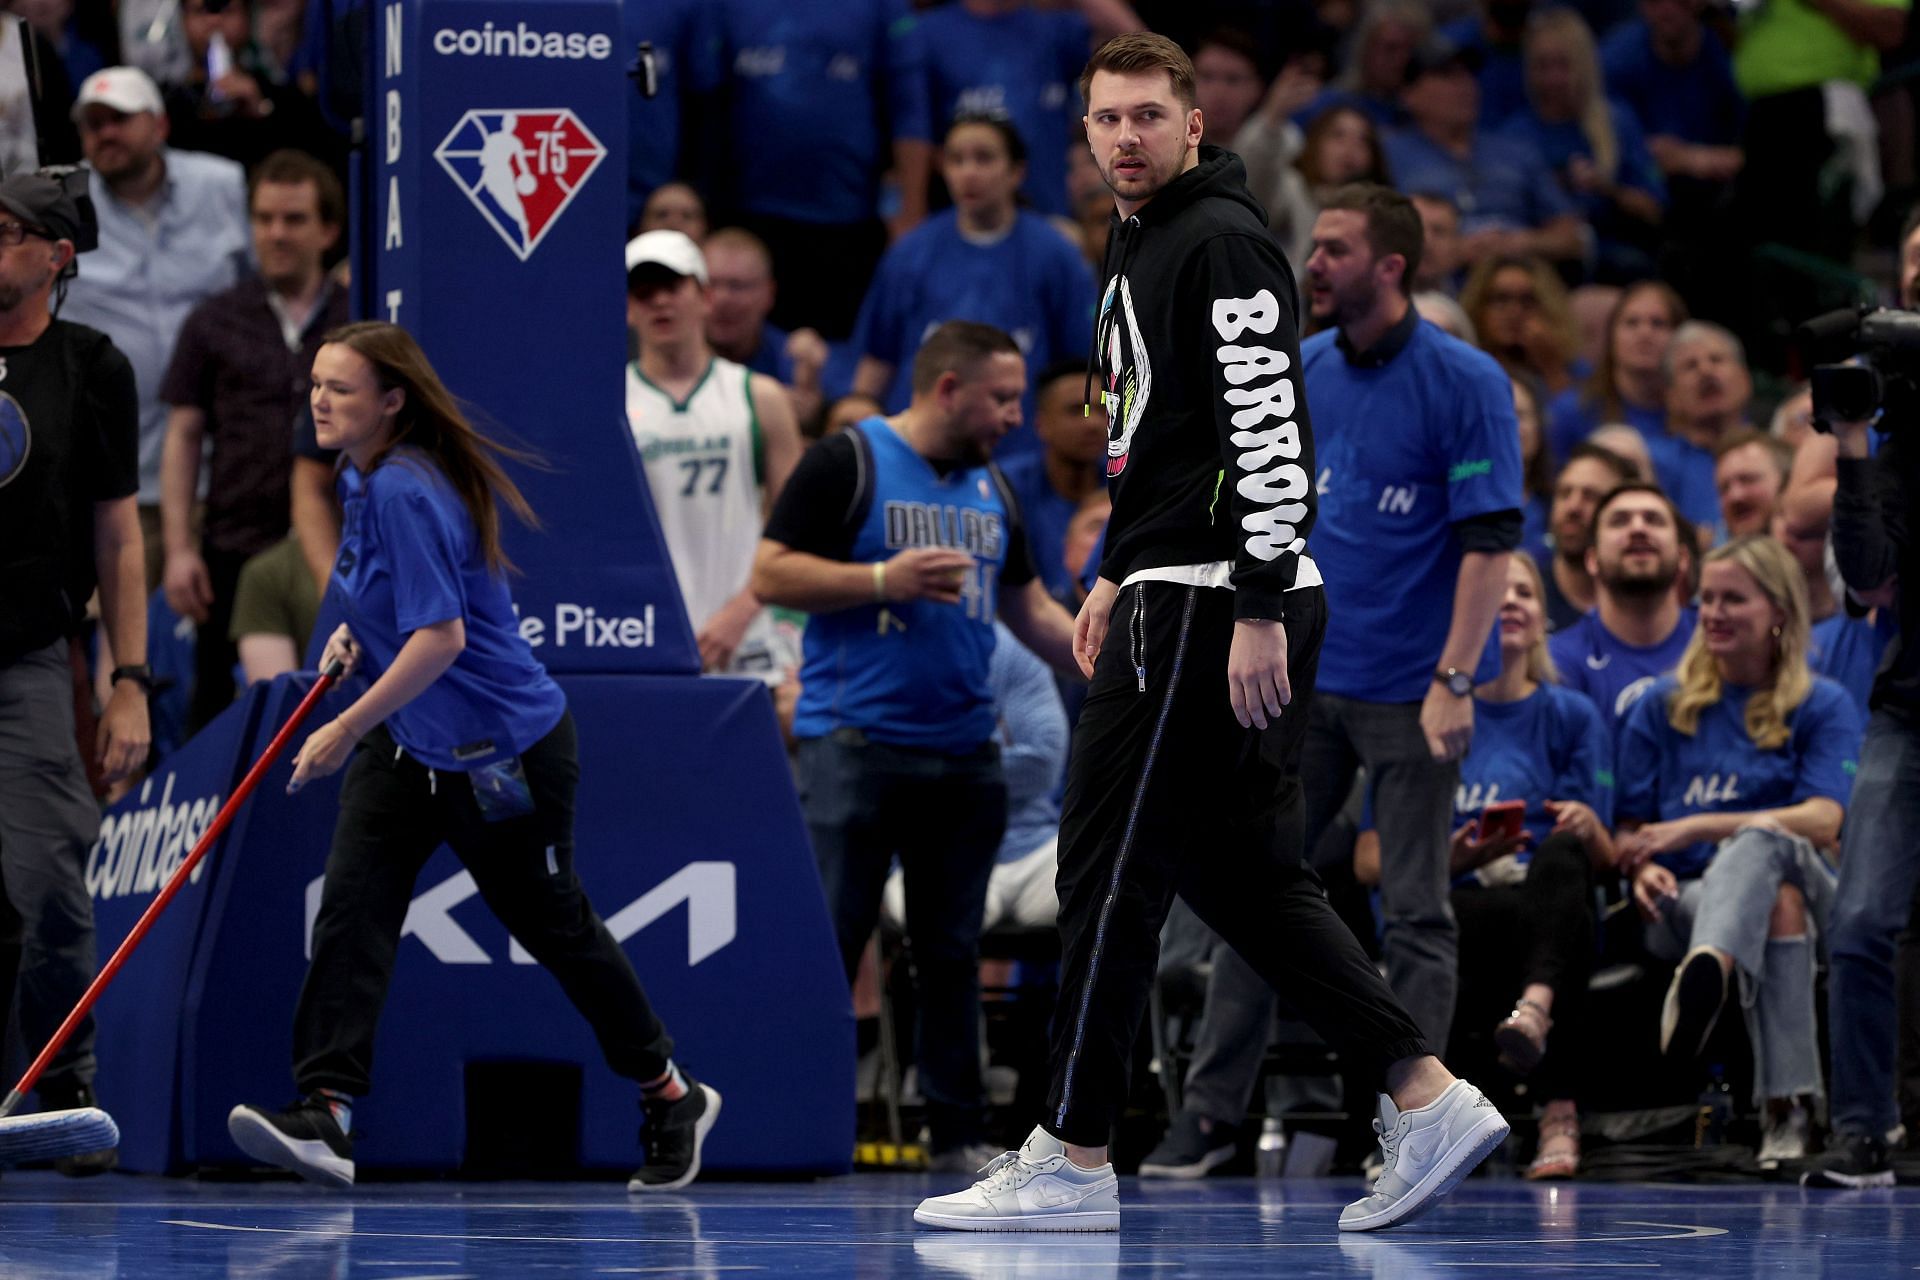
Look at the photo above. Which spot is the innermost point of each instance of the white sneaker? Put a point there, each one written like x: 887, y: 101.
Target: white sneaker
x: 1033, y: 1189
x: 1425, y: 1154
x: 1784, y: 1138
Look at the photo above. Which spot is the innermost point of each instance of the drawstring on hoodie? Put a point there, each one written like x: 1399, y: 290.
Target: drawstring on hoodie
x: 1093, y: 351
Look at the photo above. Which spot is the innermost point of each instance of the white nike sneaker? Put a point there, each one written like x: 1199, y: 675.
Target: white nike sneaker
x: 1426, y: 1152
x: 1033, y: 1189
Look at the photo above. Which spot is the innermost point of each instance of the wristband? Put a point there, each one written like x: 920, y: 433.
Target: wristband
x: 880, y: 582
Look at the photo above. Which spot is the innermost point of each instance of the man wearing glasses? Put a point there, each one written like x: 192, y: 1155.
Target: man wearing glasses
x: 69, y: 429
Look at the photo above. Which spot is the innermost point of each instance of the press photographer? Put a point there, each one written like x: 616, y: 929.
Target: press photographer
x: 1880, y: 851
x: 68, y: 474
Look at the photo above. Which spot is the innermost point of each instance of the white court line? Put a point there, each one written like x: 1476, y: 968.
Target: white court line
x: 1678, y: 1231
x: 1555, y: 1265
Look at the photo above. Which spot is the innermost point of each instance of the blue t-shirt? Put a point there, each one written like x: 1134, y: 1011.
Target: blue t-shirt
x: 1534, y: 527
x: 1023, y: 65
x: 1558, y: 144
x: 1611, y: 672
x: 1697, y: 103
x: 1386, y: 113
x: 653, y: 124
x: 1033, y: 743
x: 1573, y: 415
x: 911, y: 673
x: 1406, y: 449
x: 770, y: 357
x: 1662, y: 774
x: 1550, y: 745
x: 1031, y: 282
x: 1685, y: 471
x: 1046, y: 515
x: 1848, y: 650
x: 1503, y: 182
x: 409, y: 558
x: 817, y: 94
x: 1503, y: 76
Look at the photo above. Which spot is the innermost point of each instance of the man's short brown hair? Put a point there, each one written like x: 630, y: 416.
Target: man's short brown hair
x: 1393, y: 224
x: 958, y: 346
x: 290, y: 168
x: 1138, y: 53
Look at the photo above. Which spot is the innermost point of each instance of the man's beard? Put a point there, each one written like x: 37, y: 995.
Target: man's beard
x: 1152, y: 175
x: 1642, y: 586
x: 1353, y: 303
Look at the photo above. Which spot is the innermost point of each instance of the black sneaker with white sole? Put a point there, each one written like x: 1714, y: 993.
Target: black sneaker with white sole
x: 304, y: 1138
x: 672, y: 1137
x: 1192, y: 1148
x: 1850, y: 1162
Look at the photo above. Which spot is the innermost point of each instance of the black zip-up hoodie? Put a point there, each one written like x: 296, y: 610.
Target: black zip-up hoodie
x: 1209, y: 450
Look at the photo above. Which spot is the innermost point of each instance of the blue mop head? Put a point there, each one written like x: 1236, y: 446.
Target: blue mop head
x: 47, y: 1135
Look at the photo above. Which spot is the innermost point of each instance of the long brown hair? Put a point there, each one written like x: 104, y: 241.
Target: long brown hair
x: 1603, y: 391
x: 1549, y: 295
x: 431, y: 421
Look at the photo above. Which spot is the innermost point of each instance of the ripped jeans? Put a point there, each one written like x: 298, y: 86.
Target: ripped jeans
x: 1730, y: 908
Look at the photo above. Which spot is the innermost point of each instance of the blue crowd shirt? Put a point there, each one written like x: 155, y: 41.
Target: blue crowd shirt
x: 1549, y: 745
x: 653, y: 124
x: 409, y: 558
x: 1662, y: 774
x: 1386, y: 113
x: 1685, y: 471
x: 770, y: 357
x: 1033, y: 737
x: 154, y: 266
x: 1613, y: 673
x: 1503, y: 76
x: 1573, y: 415
x: 1407, y: 446
x: 1047, y: 516
x: 817, y: 93
x: 1534, y: 527
x: 1697, y: 103
x: 1023, y: 65
x: 912, y: 673
x: 1502, y: 182
x: 1559, y: 143
x: 1030, y: 282
x: 1848, y: 650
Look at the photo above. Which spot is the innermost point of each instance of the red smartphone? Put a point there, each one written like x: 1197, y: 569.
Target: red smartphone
x: 1503, y: 820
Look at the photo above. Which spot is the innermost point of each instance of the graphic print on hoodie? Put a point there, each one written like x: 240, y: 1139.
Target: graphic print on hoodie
x: 1209, y: 449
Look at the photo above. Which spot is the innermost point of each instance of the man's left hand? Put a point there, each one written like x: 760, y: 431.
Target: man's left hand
x: 1447, y: 720
x: 125, y: 732
x: 1257, y: 683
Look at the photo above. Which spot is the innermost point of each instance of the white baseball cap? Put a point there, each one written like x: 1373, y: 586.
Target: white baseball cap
x: 128, y: 90
x: 674, y: 250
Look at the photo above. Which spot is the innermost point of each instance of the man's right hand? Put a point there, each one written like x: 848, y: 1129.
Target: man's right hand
x: 1090, y: 625
x: 927, y: 573
x: 188, y: 586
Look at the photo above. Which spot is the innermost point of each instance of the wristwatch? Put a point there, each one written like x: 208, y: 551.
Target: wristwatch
x: 141, y: 674
x: 1457, y: 682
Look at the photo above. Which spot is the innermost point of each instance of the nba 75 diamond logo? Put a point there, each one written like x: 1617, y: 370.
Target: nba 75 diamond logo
x: 520, y: 168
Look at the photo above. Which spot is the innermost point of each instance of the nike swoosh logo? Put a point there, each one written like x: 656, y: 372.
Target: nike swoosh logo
x: 1421, y: 1146
x: 1050, y: 1196
x: 1598, y: 662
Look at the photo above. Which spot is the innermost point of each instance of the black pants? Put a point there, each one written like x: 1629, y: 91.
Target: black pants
x: 1787, y: 146
x: 214, y: 651
x: 1540, y: 930
x: 1167, y: 794
x: 823, y: 270
x: 867, y: 802
x: 394, y: 812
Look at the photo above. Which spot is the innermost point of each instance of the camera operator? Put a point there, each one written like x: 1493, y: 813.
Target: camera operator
x: 69, y: 431
x: 1880, y: 852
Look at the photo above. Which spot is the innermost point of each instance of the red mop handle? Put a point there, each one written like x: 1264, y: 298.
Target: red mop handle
x: 221, y: 821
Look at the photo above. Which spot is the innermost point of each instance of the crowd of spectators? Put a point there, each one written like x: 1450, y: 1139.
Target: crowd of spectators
x: 1593, y: 181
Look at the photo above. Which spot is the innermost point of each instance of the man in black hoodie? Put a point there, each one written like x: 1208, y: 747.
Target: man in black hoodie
x: 1174, y: 788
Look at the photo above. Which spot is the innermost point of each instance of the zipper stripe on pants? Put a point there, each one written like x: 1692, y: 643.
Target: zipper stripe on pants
x: 1126, y: 847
